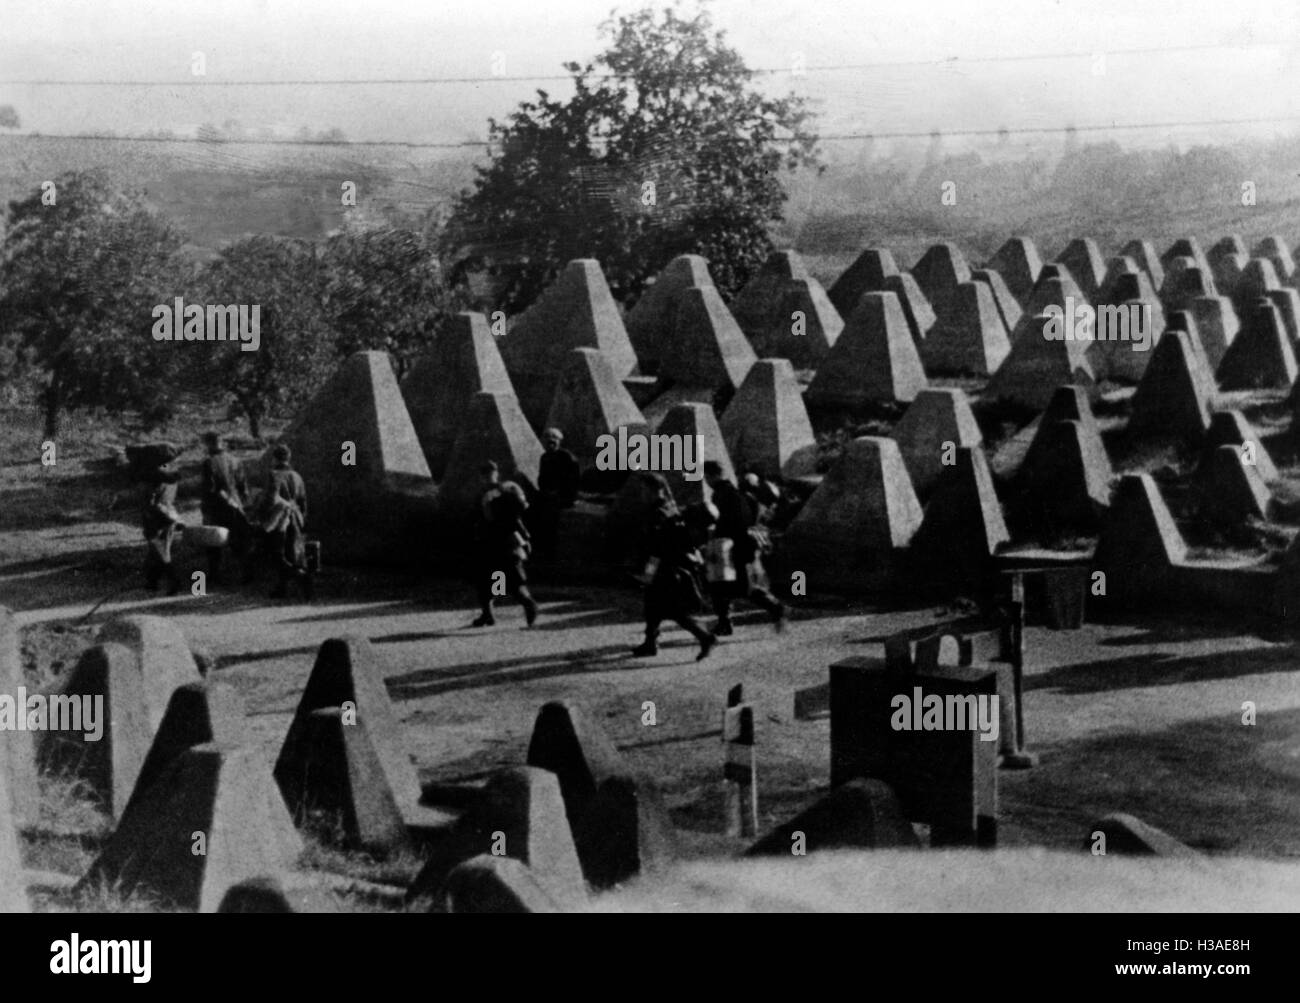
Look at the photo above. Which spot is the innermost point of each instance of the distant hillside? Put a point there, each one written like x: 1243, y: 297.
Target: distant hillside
x: 217, y: 192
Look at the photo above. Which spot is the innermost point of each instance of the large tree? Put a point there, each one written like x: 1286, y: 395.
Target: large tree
x: 284, y: 278
x: 665, y: 147
x: 385, y: 289
x: 83, y: 267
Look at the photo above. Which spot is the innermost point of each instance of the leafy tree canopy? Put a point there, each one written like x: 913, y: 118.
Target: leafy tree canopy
x: 83, y: 267
x: 666, y: 147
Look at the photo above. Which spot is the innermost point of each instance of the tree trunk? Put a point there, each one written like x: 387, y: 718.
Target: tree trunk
x: 53, y: 404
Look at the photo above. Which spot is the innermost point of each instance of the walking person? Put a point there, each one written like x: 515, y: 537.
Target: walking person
x: 160, y: 522
x: 222, y: 499
x: 502, y: 545
x: 738, y: 523
x: 557, y: 489
x: 672, y: 592
x: 284, y: 518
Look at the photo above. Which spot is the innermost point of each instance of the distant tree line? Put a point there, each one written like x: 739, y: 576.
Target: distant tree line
x: 83, y: 265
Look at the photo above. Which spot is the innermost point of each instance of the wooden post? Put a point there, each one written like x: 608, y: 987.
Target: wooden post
x: 739, y: 769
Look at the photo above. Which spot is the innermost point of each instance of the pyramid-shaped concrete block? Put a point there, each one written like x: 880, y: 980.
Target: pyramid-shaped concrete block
x: 650, y: 323
x: 756, y: 305
x: 937, y: 417
x: 1036, y: 366
x: 1275, y: 250
x: 688, y: 420
x: 1070, y: 403
x: 1127, y: 835
x: 1144, y: 253
x: 1066, y: 485
x: 576, y: 311
x: 1130, y: 286
x: 1225, y: 246
x: 969, y: 337
x: 1230, y: 428
x: 520, y: 814
x: 331, y: 776
x: 766, y: 427
x: 963, y: 525
x: 1227, y: 272
x: 198, y: 713
x: 1008, y: 307
x: 1183, y: 286
x: 861, y: 813
x: 495, y: 886
x: 1287, y: 301
x: 1082, y: 257
x: 344, y: 752
x: 1229, y: 490
x: 1184, y: 247
x: 279, y: 894
x: 1171, y: 400
x: 590, y: 401
x: 1216, y: 322
x: 107, y: 679
x: 1257, y: 279
x: 867, y: 274
x: 1181, y: 320
x: 1018, y: 262
x: 1227, y: 259
x: 620, y: 826
x: 1127, y: 334
x: 361, y: 403
x: 495, y: 429
x: 707, y: 348
x: 1140, y: 541
x: 1261, y: 355
x: 1116, y: 267
x: 1174, y: 268
x: 875, y: 360
x: 13, y: 893
x: 464, y: 360
x: 1053, y: 290
x: 387, y: 477
x: 941, y: 269
x: 17, y: 748
x: 164, y: 658
x: 916, y: 308
x: 217, y: 799
x: 804, y: 328
x: 864, y: 510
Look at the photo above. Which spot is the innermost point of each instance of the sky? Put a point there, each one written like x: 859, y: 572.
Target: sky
x: 1251, y: 71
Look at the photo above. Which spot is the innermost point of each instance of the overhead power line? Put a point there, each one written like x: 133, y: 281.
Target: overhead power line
x: 831, y: 138
x: 206, y: 81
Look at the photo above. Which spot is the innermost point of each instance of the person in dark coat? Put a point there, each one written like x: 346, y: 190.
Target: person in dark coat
x: 557, y: 489
x: 672, y: 592
x: 502, y: 544
x: 284, y: 518
x: 160, y: 521
x: 222, y: 499
x: 738, y: 522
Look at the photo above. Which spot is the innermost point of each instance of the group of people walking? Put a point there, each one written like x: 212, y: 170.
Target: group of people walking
x: 720, y: 543
x: 274, y: 529
x: 714, y: 547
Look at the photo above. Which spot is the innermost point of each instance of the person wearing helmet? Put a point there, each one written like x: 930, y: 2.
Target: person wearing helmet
x: 672, y: 593
x: 503, y: 544
x: 738, y: 522
x: 284, y: 517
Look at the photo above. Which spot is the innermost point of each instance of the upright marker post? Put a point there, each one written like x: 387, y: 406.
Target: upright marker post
x: 739, y: 769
